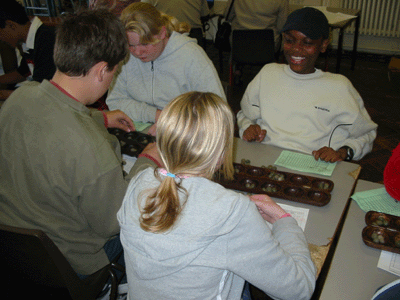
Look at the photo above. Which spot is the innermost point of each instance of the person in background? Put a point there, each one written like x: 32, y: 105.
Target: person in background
x: 35, y: 39
x: 115, y: 6
x: 11, y: 67
x: 60, y: 169
x: 189, y: 11
x: 163, y: 64
x: 301, y: 108
x: 391, y: 174
x: 185, y: 236
x: 257, y: 14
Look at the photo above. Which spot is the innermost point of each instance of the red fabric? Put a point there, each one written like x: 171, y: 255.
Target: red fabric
x: 64, y: 91
x: 391, y: 174
x: 69, y: 95
x: 151, y: 158
x: 100, y: 104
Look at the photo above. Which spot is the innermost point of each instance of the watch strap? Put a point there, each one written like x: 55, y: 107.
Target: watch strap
x: 349, y: 153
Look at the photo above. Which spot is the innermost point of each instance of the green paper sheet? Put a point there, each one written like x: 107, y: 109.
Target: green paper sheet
x: 304, y: 163
x: 377, y: 200
x: 140, y: 126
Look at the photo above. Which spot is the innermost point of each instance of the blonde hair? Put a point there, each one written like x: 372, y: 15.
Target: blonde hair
x: 194, y: 138
x: 145, y: 20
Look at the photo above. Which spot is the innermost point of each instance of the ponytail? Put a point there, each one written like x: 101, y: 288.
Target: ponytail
x: 163, y: 207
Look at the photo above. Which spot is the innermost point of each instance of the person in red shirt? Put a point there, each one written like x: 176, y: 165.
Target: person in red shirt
x: 391, y: 174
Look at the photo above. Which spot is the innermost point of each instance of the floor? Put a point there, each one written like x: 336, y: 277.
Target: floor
x: 381, y: 98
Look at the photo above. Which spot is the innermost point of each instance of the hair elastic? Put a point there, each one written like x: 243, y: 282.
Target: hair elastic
x: 164, y: 172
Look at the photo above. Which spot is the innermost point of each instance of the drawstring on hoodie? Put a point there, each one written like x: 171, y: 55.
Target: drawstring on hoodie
x: 152, y: 81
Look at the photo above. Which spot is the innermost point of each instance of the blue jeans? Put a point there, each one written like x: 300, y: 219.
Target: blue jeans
x: 246, y: 295
x: 112, y: 248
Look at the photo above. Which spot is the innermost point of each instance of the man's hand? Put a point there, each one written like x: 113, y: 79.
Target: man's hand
x: 254, y: 133
x: 269, y: 210
x: 118, y: 119
x: 329, y: 155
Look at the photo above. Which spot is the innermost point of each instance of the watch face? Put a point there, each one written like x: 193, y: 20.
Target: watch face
x: 350, y: 153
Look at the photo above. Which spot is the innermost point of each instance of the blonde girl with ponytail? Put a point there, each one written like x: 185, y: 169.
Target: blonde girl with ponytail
x: 194, y: 138
x: 187, y: 237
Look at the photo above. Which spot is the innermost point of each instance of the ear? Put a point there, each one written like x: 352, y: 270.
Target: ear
x: 100, y: 70
x: 163, y: 33
x: 324, y: 45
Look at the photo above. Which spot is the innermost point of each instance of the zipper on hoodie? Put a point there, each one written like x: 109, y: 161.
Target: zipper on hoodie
x: 152, y: 82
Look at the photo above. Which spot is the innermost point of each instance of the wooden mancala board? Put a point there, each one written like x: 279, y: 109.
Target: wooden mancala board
x: 284, y: 185
x: 132, y: 143
x: 382, y: 231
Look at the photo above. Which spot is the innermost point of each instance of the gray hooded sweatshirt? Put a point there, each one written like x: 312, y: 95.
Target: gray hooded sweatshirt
x: 143, y: 87
x: 219, y: 241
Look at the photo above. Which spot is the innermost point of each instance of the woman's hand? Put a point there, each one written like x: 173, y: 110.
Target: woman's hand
x: 152, y: 130
x: 269, y: 210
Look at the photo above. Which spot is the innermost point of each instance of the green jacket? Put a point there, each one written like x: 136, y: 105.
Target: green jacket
x: 60, y: 171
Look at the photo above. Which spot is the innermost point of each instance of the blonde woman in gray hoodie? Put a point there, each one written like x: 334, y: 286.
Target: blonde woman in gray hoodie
x: 164, y: 62
x: 187, y: 237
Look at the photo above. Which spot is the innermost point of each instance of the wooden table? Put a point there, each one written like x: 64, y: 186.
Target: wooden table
x: 322, y: 221
x: 354, y: 273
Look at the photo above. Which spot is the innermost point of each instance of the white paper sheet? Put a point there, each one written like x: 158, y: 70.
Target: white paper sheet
x: 390, y: 262
x: 334, y: 18
x: 129, y: 162
x: 298, y: 213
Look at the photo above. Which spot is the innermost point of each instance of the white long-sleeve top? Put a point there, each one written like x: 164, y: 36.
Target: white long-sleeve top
x: 306, y: 112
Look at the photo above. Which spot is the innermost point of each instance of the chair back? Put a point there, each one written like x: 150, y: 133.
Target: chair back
x: 253, y: 47
x: 197, y: 33
x: 31, y: 255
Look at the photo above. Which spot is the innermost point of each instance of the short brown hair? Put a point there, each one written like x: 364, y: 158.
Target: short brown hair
x: 87, y: 38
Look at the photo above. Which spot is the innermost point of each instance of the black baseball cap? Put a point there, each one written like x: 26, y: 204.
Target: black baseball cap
x: 309, y: 21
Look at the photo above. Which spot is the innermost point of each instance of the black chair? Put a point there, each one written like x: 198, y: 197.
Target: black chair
x: 251, y: 47
x: 197, y: 33
x: 31, y: 259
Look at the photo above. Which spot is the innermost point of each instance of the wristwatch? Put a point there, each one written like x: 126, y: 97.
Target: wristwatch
x: 349, y: 153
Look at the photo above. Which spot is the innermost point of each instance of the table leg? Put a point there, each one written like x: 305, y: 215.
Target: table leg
x: 354, y: 54
x: 339, y: 50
